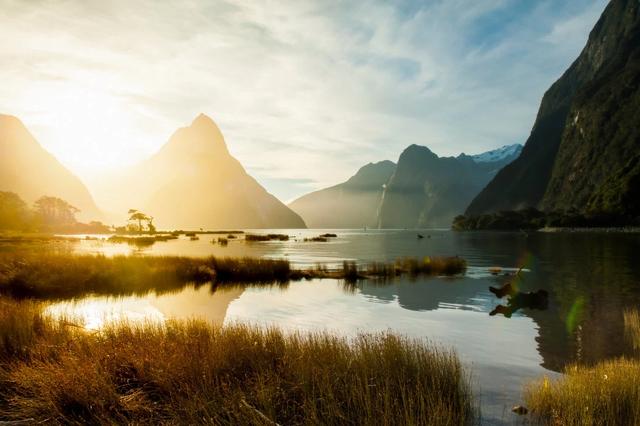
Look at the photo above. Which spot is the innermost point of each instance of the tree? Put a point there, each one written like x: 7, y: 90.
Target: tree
x: 14, y: 213
x: 139, y: 217
x: 55, y: 211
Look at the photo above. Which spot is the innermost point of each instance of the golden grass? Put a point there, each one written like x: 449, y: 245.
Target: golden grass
x: 195, y: 373
x: 605, y: 394
x: 44, y: 275
x: 632, y: 328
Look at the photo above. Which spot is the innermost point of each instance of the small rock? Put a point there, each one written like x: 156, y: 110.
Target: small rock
x: 520, y: 410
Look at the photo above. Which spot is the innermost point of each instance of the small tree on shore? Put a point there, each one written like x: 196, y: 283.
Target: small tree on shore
x: 140, y: 217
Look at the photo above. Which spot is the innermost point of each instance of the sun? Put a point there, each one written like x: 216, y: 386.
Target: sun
x: 86, y: 123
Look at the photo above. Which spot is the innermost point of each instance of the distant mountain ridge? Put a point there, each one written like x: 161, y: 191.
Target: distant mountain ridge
x: 27, y: 169
x: 421, y: 190
x: 499, y: 154
x: 429, y: 191
x: 583, y: 153
x: 194, y: 182
x: 351, y: 204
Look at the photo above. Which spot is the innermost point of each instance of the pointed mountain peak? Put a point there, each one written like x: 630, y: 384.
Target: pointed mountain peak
x: 201, y: 138
x: 203, y: 120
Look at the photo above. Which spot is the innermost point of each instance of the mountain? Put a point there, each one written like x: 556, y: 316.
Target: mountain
x: 506, y: 151
x: 583, y: 152
x: 429, y: 191
x: 194, y: 182
x: 351, y: 204
x: 30, y: 171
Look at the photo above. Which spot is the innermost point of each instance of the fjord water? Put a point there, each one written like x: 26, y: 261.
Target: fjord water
x: 591, y: 278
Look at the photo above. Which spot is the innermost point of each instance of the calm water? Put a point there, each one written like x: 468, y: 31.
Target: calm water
x: 591, y: 279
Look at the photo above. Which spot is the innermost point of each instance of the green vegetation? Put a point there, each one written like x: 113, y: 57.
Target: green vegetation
x: 268, y: 237
x: 194, y: 373
x: 532, y: 219
x: 62, y: 275
x: 605, y: 394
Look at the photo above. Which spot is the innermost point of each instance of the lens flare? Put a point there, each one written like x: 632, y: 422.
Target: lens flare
x: 575, y: 314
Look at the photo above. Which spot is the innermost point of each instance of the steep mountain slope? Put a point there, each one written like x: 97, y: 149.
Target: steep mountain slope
x: 30, y: 171
x: 597, y: 168
x: 351, y: 204
x: 583, y: 149
x: 429, y: 191
x: 194, y: 182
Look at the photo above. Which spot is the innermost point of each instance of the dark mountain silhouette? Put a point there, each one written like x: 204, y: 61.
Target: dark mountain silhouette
x: 194, y: 182
x: 27, y: 169
x: 429, y: 191
x: 584, y: 149
x: 351, y: 204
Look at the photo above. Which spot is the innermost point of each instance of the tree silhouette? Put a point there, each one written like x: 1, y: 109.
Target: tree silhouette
x: 138, y: 216
x: 14, y: 213
x: 55, y: 211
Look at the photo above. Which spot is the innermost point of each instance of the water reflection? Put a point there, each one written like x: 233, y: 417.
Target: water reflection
x: 590, y: 279
x: 94, y: 312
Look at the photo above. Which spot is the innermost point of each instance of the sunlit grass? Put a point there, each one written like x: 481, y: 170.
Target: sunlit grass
x: 605, y: 394
x: 194, y: 373
x: 62, y: 275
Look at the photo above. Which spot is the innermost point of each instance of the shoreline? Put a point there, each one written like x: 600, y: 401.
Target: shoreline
x: 594, y: 230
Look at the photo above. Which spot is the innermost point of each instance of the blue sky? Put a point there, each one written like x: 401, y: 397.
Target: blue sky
x: 304, y: 92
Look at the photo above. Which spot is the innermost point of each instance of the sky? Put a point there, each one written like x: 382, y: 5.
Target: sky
x: 305, y: 92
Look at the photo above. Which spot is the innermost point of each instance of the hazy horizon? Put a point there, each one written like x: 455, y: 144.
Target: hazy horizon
x: 102, y: 86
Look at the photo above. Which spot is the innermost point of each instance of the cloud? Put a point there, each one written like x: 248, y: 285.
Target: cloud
x: 303, y: 91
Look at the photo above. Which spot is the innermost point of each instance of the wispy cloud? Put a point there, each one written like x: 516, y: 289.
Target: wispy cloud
x: 305, y: 92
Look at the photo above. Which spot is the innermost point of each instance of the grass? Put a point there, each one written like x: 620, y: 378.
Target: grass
x: 53, y: 275
x: 318, y: 239
x: 195, y: 373
x: 632, y: 328
x: 605, y: 394
x: 141, y: 241
x: 267, y: 237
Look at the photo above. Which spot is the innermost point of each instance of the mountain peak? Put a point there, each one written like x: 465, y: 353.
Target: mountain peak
x: 498, y: 154
x: 201, y: 138
x: 203, y: 120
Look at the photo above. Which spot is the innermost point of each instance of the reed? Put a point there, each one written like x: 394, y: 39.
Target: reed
x: 267, y: 237
x: 55, y: 275
x: 605, y: 394
x: 194, y: 373
x: 632, y: 328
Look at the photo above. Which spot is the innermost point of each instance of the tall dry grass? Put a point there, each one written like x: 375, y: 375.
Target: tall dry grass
x: 55, y: 275
x: 632, y: 328
x: 605, y: 394
x: 194, y: 373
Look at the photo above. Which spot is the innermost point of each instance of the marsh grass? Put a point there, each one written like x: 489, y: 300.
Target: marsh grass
x: 318, y: 239
x: 195, y: 373
x: 632, y: 328
x: 53, y: 275
x: 267, y: 237
x: 605, y: 394
x: 141, y: 241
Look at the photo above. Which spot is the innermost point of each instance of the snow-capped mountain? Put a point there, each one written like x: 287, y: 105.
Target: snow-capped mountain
x: 499, y: 154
